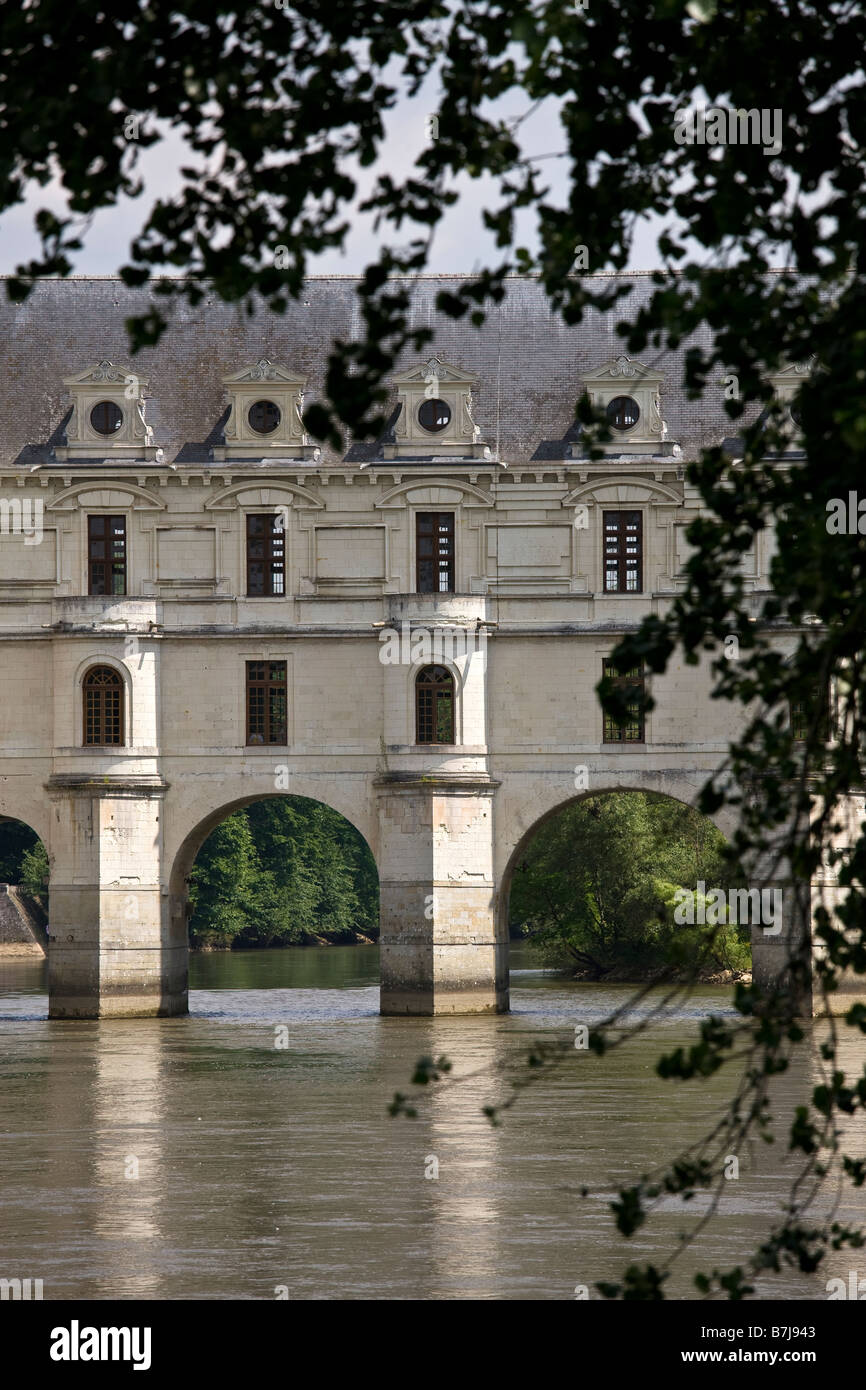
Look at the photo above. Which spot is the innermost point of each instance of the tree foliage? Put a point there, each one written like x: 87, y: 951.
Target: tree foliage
x: 35, y: 871
x: 283, y: 871
x: 597, y: 884
x: 282, y: 107
x: 23, y: 858
x: 16, y: 839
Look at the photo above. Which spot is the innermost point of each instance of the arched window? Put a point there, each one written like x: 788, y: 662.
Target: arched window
x: 103, y: 706
x: 434, y: 705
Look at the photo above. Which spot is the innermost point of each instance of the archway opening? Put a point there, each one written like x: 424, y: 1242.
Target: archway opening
x: 623, y: 885
x: 282, y: 871
x: 24, y: 884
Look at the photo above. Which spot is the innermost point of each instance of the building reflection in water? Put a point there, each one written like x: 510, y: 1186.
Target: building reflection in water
x: 466, y: 1197
x: 129, y: 1178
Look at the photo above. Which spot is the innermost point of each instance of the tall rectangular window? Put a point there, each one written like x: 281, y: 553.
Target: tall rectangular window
x: 106, y: 554
x: 266, y: 555
x: 632, y: 684
x: 811, y: 717
x: 103, y: 706
x: 266, y: 702
x: 800, y: 720
x: 434, y: 705
x: 434, y: 548
x: 623, y: 552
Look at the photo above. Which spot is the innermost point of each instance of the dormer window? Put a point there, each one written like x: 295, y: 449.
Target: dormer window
x: 266, y: 405
x: 786, y: 386
x: 108, y: 420
x: 628, y: 394
x: 436, y: 415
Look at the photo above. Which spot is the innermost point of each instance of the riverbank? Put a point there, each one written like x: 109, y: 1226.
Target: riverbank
x: 617, y: 975
x: 627, y: 975
x: 311, y: 939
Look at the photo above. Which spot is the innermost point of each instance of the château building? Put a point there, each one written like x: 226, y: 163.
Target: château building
x: 201, y: 606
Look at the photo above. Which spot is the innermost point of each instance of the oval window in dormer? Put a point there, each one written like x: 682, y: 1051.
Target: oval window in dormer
x: 264, y: 416
x: 434, y: 415
x: 106, y: 417
x: 623, y: 412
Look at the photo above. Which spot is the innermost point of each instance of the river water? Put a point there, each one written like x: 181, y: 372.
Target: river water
x: 246, y: 1151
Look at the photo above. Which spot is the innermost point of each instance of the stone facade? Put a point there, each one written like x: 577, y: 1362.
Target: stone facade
x: 205, y: 432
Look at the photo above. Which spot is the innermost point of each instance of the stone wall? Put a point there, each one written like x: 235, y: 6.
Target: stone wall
x: 21, y: 933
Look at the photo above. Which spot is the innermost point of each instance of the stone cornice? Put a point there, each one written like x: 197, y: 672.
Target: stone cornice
x: 466, y: 783
x: 128, y: 786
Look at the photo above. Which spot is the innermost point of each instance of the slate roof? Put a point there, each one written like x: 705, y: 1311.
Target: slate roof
x: 529, y: 364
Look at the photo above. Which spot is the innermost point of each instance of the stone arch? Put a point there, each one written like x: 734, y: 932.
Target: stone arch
x: 181, y: 856
x: 35, y: 814
x: 182, y: 848
x: 435, y: 492
x: 549, y: 801
x: 36, y: 818
x: 116, y: 494
x: 270, y: 494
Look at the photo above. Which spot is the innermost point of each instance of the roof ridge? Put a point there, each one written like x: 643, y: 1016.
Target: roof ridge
x: 426, y: 275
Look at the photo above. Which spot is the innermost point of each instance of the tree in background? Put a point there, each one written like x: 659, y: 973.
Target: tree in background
x: 595, y: 889
x: 35, y: 871
x: 223, y: 878
x: 282, y: 871
x: 23, y: 858
x: 16, y: 839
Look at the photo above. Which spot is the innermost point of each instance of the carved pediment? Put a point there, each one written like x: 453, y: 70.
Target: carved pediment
x: 435, y: 366
x: 105, y: 373
x: 795, y: 372
x: 624, y: 369
x: 264, y: 370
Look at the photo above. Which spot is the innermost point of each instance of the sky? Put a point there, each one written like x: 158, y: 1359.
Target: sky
x: 461, y: 244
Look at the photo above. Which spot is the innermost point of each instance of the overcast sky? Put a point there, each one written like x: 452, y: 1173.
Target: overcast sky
x: 461, y: 242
